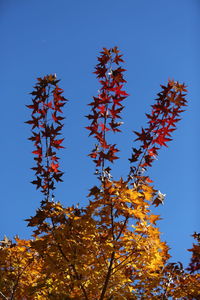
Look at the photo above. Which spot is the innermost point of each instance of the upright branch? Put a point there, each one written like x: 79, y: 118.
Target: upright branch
x: 106, y: 108
x: 162, y: 121
x: 46, y: 122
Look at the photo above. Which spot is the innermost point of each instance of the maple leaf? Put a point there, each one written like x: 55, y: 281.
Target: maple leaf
x: 57, y: 176
x: 36, y: 137
x: 153, y: 151
x: 102, y: 109
x: 38, y: 182
x: 57, y: 119
x: 143, y: 136
x: 118, y: 91
x: 118, y: 59
x: 117, y: 100
x: 34, y: 106
x: 94, y: 191
x: 114, y: 126
x: 154, y: 218
x: 159, y: 199
x: 56, y: 143
x: 34, y: 121
x: 38, y: 151
x: 115, y: 50
x: 115, y: 112
x: 161, y: 139
x: 101, y: 72
x: 54, y: 167
x: 54, y: 158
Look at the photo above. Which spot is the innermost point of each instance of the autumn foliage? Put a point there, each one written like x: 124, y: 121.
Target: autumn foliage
x: 111, y: 248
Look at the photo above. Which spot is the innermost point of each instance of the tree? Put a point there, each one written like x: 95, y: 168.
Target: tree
x: 111, y: 248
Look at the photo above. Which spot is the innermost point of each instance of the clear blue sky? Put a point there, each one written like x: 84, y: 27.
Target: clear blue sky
x: 159, y: 40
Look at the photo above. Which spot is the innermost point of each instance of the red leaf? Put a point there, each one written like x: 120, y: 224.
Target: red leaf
x: 38, y: 182
x: 118, y: 91
x: 161, y: 140
x: 38, y: 152
x: 54, y: 167
x: 56, y: 143
x: 57, y: 119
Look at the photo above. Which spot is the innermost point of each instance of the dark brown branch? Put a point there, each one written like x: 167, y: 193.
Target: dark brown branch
x: 107, y: 276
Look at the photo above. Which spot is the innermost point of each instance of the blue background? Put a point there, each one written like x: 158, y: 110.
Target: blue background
x: 159, y: 40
